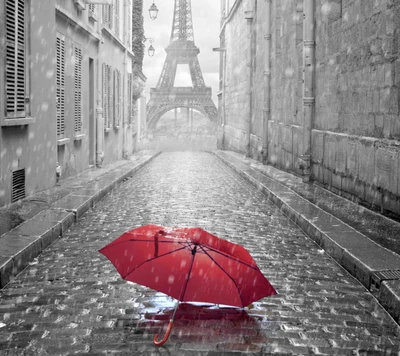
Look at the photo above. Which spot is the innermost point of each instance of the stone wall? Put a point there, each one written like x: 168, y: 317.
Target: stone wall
x: 236, y: 99
x: 357, y: 123
x: 355, y: 133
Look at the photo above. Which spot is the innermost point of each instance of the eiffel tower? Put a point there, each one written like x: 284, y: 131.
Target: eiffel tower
x: 181, y: 50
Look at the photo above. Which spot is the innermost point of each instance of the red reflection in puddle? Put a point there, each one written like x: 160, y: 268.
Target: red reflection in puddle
x: 224, y: 328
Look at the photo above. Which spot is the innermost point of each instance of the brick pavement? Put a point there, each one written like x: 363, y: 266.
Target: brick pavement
x: 70, y: 300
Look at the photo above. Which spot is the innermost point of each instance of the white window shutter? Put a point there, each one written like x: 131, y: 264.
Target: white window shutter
x: 78, y: 90
x: 15, y: 58
x: 60, y: 86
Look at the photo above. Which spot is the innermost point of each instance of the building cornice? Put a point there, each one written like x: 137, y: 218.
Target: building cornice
x: 111, y: 35
x: 230, y: 15
x: 66, y: 16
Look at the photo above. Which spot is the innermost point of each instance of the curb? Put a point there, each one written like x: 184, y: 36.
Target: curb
x: 360, y: 256
x: 29, y: 239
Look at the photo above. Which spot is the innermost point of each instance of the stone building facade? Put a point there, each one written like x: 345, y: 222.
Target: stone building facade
x: 67, y: 90
x: 312, y: 87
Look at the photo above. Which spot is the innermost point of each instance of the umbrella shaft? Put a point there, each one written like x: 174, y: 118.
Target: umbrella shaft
x: 188, y: 275
x: 176, y: 308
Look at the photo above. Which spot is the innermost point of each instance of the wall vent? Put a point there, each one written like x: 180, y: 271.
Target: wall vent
x: 18, y: 185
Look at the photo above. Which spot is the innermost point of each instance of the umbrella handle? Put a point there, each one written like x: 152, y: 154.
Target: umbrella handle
x: 166, y: 336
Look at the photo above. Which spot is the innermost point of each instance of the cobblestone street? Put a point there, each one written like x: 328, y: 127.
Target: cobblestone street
x: 71, y: 300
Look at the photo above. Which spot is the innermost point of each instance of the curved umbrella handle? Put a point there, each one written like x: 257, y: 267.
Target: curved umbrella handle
x: 166, y: 336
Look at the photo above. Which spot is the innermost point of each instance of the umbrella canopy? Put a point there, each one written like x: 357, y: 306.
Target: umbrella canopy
x: 188, y: 264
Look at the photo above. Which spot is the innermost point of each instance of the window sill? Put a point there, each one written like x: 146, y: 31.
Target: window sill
x: 79, y: 137
x: 107, y: 130
x: 18, y: 122
x: 92, y: 16
x: 117, y: 127
x: 63, y: 141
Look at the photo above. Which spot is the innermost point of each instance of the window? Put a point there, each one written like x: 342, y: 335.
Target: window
x: 130, y: 99
x: 117, y: 98
x: 16, y: 80
x: 108, y: 16
x: 107, y: 96
x: 60, y: 85
x: 112, y: 19
x: 78, y: 89
x: 92, y: 12
x: 116, y: 21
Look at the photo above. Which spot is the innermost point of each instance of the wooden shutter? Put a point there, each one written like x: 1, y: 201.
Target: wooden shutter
x: 106, y: 14
x: 110, y: 97
x: 60, y: 86
x: 78, y: 90
x: 110, y: 17
x: 105, y: 95
x: 117, y: 97
x: 117, y: 18
x: 129, y: 118
x: 15, y: 58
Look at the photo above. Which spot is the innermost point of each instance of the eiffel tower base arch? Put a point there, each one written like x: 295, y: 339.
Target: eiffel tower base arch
x: 162, y: 101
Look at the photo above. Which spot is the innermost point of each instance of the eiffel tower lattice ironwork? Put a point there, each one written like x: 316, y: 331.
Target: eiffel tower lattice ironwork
x: 181, y: 50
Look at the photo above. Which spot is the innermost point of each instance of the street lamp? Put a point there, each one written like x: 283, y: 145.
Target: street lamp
x: 153, y: 11
x: 151, y: 49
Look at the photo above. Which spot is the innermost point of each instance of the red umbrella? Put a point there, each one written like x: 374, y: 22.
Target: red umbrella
x: 188, y: 264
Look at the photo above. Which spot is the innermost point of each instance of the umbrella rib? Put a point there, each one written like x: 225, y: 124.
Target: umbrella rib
x: 151, y: 259
x: 145, y: 240
x: 223, y: 270
x: 232, y: 258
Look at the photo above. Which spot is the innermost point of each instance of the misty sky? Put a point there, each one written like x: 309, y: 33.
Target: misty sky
x: 206, y: 20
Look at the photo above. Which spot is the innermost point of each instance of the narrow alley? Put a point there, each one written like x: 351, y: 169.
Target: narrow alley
x: 71, y: 301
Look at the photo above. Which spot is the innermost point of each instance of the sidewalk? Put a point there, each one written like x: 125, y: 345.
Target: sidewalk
x: 43, y: 218
x: 363, y: 242
x: 349, y: 233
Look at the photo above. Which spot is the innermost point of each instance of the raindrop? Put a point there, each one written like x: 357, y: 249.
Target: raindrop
x: 289, y: 72
x: 45, y: 106
x: 50, y: 73
x: 326, y: 9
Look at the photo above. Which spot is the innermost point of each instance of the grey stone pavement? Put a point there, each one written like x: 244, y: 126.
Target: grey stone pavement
x: 68, y: 299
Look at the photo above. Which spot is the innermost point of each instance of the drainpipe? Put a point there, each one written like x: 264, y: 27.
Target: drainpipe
x: 249, y: 17
x: 267, y: 83
x: 223, y: 98
x: 222, y: 51
x: 99, y: 107
x: 124, y: 86
x: 308, y: 86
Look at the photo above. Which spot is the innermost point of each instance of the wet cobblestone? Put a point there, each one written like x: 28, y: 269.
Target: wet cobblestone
x: 71, y: 300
